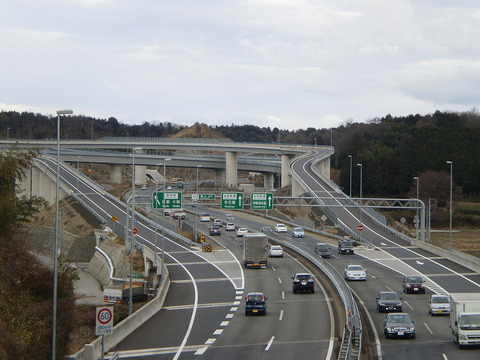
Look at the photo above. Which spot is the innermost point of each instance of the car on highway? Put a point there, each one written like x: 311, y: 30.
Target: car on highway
x: 355, y: 272
x: 345, y: 246
x: 298, y: 232
x: 413, y: 284
x: 230, y: 227
x: 169, y: 188
x: 241, y: 231
x: 218, y: 222
x: 255, y: 304
x: 439, y: 304
x: 275, y: 251
x: 204, y: 217
x: 144, y: 187
x: 214, y: 230
x: 229, y: 216
x: 266, y: 229
x: 281, y: 228
x: 303, y: 282
x: 398, y: 325
x: 323, y: 250
x: 389, y: 301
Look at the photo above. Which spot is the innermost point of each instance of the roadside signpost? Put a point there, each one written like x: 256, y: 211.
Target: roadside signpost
x: 261, y: 201
x: 104, y: 323
x: 167, y: 200
x: 232, y: 201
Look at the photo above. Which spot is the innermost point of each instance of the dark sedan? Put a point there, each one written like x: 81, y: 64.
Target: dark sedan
x: 214, y: 230
x: 399, y: 325
x: 388, y: 301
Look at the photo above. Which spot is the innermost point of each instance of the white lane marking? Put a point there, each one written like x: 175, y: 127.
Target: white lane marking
x: 273, y: 268
x: 218, y: 332
x: 210, y: 341
x: 269, y: 343
x: 419, y: 262
x: 280, y: 318
x: 224, y: 323
x: 233, y: 309
x: 201, y: 351
x: 236, y: 303
x: 239, y: 292
x: 445, y: 356
x: 229, y: 316
x: 279, y: 280
x: 283, y: 295
x: 411, y: 308
x: 428, y: 328
x: 389, y: 288
x: 238, y: 298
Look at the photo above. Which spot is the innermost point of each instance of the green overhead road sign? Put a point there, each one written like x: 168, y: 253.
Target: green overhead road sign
x: 167, y: 200
x: 261, y: 201
x: 207, y: 196
x: 232, y: 201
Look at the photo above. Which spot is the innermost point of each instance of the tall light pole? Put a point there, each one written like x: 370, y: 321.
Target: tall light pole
x: 55, y: 255
x: 163, y: 214
x: 351, y: 159
x: 8, y: 133
x: 417, y: 224
x: 130, y: 293
x: 196, y: 208
x: 451, y: 201
x: 78, y: 169
x: 315, y: 140
x: 361, y: 187
x: 156, y: 216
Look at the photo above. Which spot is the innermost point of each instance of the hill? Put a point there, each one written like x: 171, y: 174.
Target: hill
x: 198, y: 131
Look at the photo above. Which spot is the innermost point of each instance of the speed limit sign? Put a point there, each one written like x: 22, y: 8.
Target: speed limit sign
x: 104, y: 320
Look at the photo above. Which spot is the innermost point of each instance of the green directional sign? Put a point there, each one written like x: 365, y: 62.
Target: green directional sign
x: 232, y: 201
x: 167, y: 200
x: 207, y: 196
x: 261, y: 201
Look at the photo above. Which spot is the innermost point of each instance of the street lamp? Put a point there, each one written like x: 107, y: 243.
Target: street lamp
x: 361, y: 186
x: 55, y: 255
x: 156, y: 215
x: 130, y: 294
x: 163, y: 216
x: 78, y: 169
x: 315, y: 140
x: 418, y: 218
x: 196, y: 208
x: 451, y: 201
x: 8, y: 133
x: 351, y: 159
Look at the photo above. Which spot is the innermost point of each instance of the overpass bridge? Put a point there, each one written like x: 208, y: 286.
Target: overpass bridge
x: 223, y: 156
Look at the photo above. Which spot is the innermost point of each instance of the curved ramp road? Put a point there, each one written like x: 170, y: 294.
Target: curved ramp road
x: 203, y: 316
x: 385, y: 263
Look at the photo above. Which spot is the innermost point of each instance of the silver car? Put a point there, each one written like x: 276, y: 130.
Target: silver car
x: 355, y: 272
x: 439, y: 305
x: 298, y: 233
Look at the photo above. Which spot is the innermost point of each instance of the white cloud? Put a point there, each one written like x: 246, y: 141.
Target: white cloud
x: 288, y: 63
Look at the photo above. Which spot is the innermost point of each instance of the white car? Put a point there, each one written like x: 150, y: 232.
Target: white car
x: 281, y: 228
x: 218, y: 222
x: 205, y: 217
x: 242, y: 231
x: 230, y: 227
x: 298, y: 233
x: 275, y: 251
x: 439, y: 305
x: 229, y: 216
x: 355, y: 272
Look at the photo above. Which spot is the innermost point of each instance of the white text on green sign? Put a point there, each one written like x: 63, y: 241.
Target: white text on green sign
x: 207, y: 196
x: 232, y: 201
x: 261, y: 201
x: 167, y: 200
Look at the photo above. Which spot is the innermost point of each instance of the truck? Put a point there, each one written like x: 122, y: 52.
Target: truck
x: 178, y: 214
x: 465, y: 318
x: 255, y: 247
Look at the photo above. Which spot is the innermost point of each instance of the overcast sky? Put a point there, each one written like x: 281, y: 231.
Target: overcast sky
x: 282, y: 63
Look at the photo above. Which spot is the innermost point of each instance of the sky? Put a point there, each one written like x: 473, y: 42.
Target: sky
x: 291, y: 64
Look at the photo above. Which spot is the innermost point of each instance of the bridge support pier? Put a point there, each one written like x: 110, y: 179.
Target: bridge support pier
x: 220, y: 177
x: 116, y: 174
x: 286, y: 176
x: 324, y: 167
x: 297, y: 190
x: 268, y: 181
x: 231, y: 168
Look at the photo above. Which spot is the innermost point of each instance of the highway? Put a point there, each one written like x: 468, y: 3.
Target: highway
x: 389, y: 258
x: 203, y: 315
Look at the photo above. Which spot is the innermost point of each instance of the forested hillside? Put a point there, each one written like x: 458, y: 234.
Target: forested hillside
x: 392, y: 150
